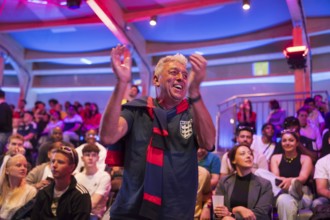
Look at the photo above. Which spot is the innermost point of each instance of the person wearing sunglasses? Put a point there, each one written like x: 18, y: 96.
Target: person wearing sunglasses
x: 63, y: 198
x: 160, y: 137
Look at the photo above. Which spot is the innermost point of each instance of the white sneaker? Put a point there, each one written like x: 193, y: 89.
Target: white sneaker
x: 295, y: 189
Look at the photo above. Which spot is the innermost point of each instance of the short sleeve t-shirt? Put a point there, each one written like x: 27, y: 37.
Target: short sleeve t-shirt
x: 211, y: 162
x: 180, y: 172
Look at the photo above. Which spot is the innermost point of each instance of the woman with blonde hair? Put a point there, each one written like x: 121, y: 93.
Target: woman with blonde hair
x: 14, y: 191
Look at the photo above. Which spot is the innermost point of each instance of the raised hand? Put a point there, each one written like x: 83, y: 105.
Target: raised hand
x: 198, y: 72
x: 121, y: 62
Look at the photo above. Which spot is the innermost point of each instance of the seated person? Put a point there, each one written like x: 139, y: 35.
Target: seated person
x: 14, y: 146
x: 264, y: 144
x: 55, y: 136
x: 246, y: 116
x: 28, y: 130
x: 96, y: 181
x: 211, y: 162
x: 276, y: 117
x: 14, y: 191
x: 55, y: 121
x: 325, y: 150
x: 204, y: 192
x: 41, y: 175
x: 244, y: 135
x: 93, y: 120
x: 305, y: 144
x: 72, y: 124
x: 258, y: 200
x: 309, y: 131
x: 91, y: 138
x: 293, y: 169
x: 322, y: 179
x: 63, y: 198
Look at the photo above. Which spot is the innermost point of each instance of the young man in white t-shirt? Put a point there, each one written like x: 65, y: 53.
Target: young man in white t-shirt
x: 264, y: 144
x: 95, y: 180
x: 322, y: 179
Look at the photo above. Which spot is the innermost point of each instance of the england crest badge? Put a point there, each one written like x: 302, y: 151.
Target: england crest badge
x: 186, y: 129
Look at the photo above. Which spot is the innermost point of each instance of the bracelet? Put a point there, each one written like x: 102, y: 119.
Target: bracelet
x: 193, y: 100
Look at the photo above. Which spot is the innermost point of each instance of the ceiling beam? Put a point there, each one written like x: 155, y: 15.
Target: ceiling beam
x: 112, y: 16
x: 26, y: 26
x: 315, y: 26
x: 15, y: 54
x: 40, y: 56
x: 173, y: 9
x: 280, y: 32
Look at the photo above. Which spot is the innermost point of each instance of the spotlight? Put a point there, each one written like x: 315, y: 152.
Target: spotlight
x: 73, y: 4
x: 296, y: 56
x: 246, y: 4
x: 153, y: 21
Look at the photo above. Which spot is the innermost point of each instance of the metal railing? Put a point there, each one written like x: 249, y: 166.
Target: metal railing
x: 226, y: 120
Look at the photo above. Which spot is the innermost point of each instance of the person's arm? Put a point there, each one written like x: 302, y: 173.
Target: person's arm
x: 28, y: 136
x: 221, y: 211
x: 274, y: 168
x: 96, y: 199
x: 214, y: 180
x: 76, y: 127
x: 203, y: 123
x: 274, y: 163
x: 242, y: 212
x: 322, y: 187
x: 306, y: 169
x: 318, y: 139
x: 207, y: 199
x: 102, y: 190
x: 113, y: 127
x: 224, y: 169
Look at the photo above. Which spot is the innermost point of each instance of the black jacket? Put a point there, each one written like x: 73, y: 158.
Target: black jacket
x: 74, y: 204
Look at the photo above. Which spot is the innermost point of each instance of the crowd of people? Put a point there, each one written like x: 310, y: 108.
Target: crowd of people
x: 153, y: 157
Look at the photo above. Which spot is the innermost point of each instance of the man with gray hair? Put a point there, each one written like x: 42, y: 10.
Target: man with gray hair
x: 160, y: 138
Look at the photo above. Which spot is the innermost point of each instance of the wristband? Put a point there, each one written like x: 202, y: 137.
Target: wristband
x: 193, y: 100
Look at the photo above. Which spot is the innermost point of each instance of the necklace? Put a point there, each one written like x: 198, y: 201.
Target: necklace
x: 289, y: 159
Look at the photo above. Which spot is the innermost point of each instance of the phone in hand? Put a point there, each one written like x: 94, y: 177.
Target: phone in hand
x: 278, y: 182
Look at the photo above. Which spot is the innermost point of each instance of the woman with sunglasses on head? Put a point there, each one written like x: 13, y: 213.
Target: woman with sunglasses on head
x: 14, y: 191
x: 246, y: 196
x: 292, y: 170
